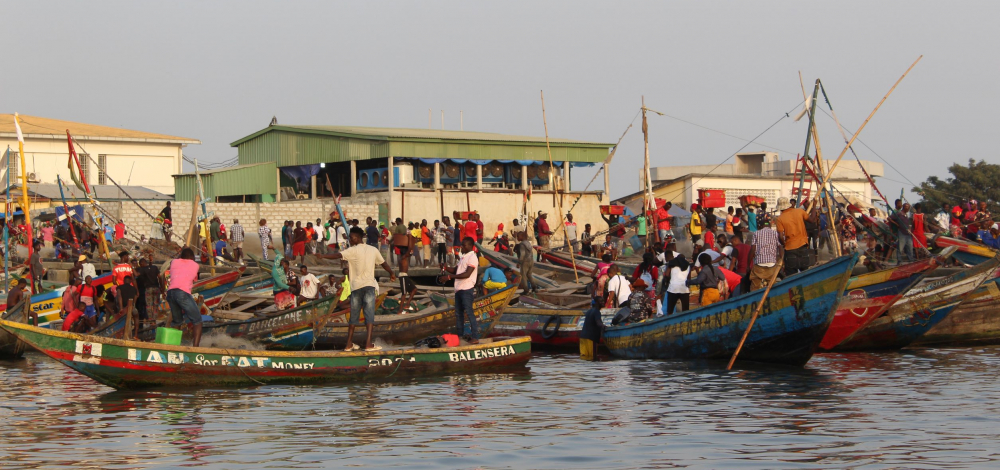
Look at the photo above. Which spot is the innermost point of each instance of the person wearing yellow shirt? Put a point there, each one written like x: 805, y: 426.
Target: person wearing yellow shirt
x: 696, y: 225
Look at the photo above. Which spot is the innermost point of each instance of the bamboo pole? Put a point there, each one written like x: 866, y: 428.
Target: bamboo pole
x: 562, y: 224
x: 756, y: 312
x: 25, y: 202
x: 879, y: 105
x: 822, y: 190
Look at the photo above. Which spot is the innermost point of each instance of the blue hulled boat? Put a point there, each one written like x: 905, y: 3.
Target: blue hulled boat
x: 795, y: 316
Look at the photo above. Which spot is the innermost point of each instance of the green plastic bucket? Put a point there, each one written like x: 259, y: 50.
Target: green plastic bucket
x: 168, y: 336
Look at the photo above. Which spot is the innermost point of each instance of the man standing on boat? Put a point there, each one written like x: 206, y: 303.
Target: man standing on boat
x: 465, y: 283
x: 361, y: 260
x: 765, y: 252
x: 791, y: 225
x: 183, y: 274
x: 237, y: 235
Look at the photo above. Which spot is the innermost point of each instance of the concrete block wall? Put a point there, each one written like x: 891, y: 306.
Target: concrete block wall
x: 249, y: 214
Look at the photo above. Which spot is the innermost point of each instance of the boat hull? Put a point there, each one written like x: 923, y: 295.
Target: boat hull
x: 547, y: 328
x: 870, y: 295
x: 788, y: 330
x: 975, y: 322
x: 411, y: 327
x: 919, y: 311
x: 135, y: 365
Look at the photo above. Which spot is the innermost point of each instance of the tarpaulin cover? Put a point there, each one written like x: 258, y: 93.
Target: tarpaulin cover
x: 301, y: 174
x: 432, y: 161
x: 76, y: 211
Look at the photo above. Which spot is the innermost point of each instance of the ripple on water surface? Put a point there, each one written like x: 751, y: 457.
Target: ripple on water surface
x: 925, y: 408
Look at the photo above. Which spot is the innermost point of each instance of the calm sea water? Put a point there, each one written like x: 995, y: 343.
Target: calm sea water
x: 918, y: 409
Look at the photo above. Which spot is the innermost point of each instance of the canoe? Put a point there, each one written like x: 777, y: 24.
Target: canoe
x: 133, y: 364
x: 922, y: 308
x: 501, y: 261
x: 793, y: 320
x: 544, y: 298
x: 292, y: 329
x: 626, y: 266
x: 584, y: 267
x: 977, y: 320
x: 213, y: 290
x: 547, y: 328
x: 969, y: 252
x: 254, y: 282
x: 48, y: 304
x: 410, y: 327
x: 10, y: 346
x: 870, y: 295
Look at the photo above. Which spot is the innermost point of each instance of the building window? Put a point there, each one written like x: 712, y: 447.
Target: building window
x: 84, y: 166
x: 102, y: 169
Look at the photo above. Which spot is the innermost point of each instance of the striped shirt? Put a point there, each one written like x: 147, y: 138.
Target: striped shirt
x: 236, y: 233
x: 766, y: 243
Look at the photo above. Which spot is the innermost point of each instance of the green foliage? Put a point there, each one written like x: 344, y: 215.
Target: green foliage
x: 979, y: 181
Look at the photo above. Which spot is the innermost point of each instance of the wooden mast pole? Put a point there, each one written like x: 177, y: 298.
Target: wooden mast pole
x: 645, y: 171
x: 879, y: 105
x: 25, y: 202
x: 562, y: 224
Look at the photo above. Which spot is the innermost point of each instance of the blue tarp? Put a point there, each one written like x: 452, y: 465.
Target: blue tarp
x: 76, y: 211
x: 16, y: 213
x: 302, y: 174
x: 432, y: 161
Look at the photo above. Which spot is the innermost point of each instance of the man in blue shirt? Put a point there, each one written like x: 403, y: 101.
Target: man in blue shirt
x: 991, y: 237
x: 493, y: 278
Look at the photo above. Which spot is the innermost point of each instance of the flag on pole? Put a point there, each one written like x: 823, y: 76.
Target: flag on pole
x: 17, y: 126
x: 75, y: 170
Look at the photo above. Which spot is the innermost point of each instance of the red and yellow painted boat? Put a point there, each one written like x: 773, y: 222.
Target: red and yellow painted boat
x: 870, y: 295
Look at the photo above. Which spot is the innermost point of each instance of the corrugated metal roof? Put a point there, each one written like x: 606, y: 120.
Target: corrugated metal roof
x: 221, y: 170
x: 419, y: 135
x: 104, y: 192
x: 47, y: 128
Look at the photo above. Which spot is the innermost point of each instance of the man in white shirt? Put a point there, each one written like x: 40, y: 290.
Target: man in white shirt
x: 465, y: 282
x: 309, y: 284
x: 571, y: 232
x: 361, y: 260
x: 618, y: 285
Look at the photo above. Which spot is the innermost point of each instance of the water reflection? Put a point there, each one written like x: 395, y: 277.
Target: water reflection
x: 927, y: 408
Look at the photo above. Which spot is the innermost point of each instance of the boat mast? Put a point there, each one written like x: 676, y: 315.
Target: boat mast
x: 69, y: 219
x: 205, y: 214
x: 24, y: 197
x: 6, y: 226
x: 555, y: 190
x: 92, y: 199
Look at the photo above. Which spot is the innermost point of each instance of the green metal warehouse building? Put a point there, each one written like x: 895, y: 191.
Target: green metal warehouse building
x: 283, y: 162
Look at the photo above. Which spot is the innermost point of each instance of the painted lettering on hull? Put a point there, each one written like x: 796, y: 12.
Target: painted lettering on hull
x: 160, y: 357
x: 481, y: 354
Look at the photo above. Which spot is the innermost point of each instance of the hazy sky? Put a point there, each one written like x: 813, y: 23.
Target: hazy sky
x: 218, y: 71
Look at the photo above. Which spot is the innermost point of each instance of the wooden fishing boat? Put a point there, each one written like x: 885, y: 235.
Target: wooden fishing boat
x: 793, y: 320
x: 212, y: 290
x: 407, y: 328
x: 292, y: 329
x: 624, y: 264
x: 47, y: 305
x: 554, y: 300
x: 133, y: 364
x: 969, y: 252
x: 921, y: 309
x: 547, y: 328
x: 502, y: 261
x: 584, y: 267
x: 870, y: 295
x: 10, y: 346
x: 255, y: 282
x: 977, y: 320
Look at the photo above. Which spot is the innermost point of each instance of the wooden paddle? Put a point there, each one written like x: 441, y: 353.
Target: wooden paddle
x: 755, y: 313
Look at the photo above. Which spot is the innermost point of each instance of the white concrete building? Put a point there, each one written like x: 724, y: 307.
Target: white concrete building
x: 129, y: 157
x: 758, y: 174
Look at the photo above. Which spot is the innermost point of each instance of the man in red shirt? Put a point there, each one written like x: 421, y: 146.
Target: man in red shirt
x: 119, y: 230
x: 479, y: 229
x: 299, y: 242
x: 122, y: 269
x: 544, y: 232
x: 741, y: 261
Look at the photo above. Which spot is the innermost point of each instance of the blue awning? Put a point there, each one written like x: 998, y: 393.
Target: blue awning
x: 431, y: 161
